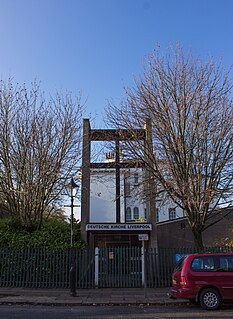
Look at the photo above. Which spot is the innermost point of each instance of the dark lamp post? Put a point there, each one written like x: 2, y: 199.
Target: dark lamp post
x: 72, y: 189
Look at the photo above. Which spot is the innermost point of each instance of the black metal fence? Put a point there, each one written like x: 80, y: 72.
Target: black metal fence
x: 111, y: 267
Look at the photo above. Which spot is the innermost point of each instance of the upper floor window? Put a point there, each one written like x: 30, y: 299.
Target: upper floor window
x: 135, y: 213
x: 127, y: 188
x: 127, y: 183
x: 172, y: 213
x: 136, y: 178
x: 157, y: 214
x: 128, y: 214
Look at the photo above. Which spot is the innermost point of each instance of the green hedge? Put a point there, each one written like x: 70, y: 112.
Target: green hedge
x: 53, y: 234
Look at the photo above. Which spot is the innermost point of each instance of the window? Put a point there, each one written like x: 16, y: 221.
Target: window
x: 180, y: 263
x: 210, y: 263
x: 127, y: 188
x: 203, y: 264
x: 157, y: 215
x: 128, y: 214
x: 127, y: 183
x: 136, y: 178
x: 135, y: 213
x: 226, y: 263
x: 172, y: 213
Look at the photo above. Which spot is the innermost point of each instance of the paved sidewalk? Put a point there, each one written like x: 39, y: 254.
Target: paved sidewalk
x: 106, y: 296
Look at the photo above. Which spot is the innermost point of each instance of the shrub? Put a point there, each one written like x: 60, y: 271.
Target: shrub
x: 53, y: 234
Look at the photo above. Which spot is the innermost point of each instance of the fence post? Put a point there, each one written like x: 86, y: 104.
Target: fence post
x: 143, y: 265
x: 72, y: 274
x: 96, y: 267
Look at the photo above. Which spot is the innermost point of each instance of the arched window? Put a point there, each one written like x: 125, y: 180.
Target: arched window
x: 135, y: 213
x: 172, y: 213
x: 128, y: 214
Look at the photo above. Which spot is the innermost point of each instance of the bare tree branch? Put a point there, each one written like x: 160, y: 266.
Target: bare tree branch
x: 39, y: 148
x: 190, y: 106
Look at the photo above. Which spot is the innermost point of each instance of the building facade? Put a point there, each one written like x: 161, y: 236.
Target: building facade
x: 132, y: 197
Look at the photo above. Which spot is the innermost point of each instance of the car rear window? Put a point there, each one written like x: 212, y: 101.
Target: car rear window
x: 180, y: 263
x: 204, y: 263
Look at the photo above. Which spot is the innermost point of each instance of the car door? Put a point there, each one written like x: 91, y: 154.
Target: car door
x: 225, y: 276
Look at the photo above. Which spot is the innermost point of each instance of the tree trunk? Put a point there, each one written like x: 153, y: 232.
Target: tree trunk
x: 198, y: 242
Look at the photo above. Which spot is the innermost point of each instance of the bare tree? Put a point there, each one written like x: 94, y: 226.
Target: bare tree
x: 189, y: 104
x: 39, y: 149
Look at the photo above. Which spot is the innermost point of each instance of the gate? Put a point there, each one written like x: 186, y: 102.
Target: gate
x: 120, y: 267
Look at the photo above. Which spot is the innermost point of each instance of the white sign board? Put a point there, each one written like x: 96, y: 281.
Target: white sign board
x: 143, y: 237
x: 121, y: 227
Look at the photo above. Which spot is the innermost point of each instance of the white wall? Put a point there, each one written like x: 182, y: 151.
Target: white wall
x: 103, y: 203
x: 103, y: 197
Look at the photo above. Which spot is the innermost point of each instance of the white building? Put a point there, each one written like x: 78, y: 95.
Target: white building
x: 103, y: 196
x: 132, y: 198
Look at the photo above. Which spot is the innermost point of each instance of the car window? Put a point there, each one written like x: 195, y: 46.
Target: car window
x: 180, y: 263
x: 205, y: 263
x: 197, y: 264
x: 226, y: 263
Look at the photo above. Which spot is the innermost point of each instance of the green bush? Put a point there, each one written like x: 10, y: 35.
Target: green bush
x: 53, y: 234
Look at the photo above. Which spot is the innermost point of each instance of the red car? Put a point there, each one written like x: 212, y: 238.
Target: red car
x: 204, y: 278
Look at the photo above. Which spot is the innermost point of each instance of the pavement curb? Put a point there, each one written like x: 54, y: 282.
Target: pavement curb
x: 100, y: 304
x: 88, y: 297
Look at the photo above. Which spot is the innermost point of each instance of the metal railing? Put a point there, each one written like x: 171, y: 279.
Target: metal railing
x: 103, y: 267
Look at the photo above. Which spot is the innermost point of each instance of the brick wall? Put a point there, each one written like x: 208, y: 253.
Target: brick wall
x: 177, y: 233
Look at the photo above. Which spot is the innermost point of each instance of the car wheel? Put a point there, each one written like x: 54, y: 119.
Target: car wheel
x: 210, y: 299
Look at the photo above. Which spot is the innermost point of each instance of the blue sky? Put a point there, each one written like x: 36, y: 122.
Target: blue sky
x: 98, y: 46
